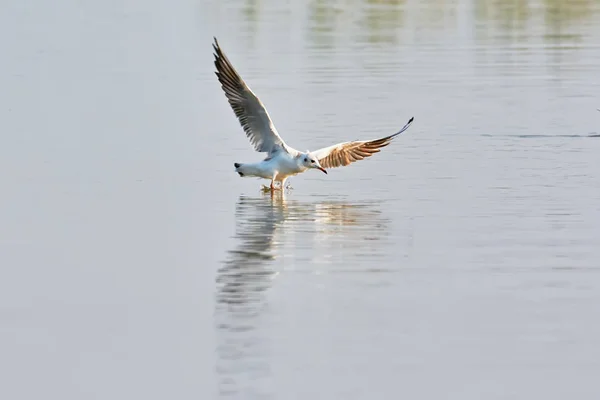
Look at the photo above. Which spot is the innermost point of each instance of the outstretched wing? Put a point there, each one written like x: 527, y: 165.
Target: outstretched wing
x: 346, y: 153
x: 249, y: 110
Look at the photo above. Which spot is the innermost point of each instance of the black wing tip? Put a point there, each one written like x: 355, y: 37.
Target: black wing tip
x: 221, y: 62
x: 404, y: 128
x: 218, y: 53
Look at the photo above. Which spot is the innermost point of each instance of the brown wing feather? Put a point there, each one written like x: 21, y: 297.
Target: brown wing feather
x: 347, y: 153
x: 343, y: 154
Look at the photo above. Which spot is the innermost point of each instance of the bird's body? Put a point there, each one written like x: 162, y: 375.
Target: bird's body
x: 277, y: 167
x: 282, y: 161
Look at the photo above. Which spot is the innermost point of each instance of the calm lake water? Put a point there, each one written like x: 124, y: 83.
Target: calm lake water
x: 461, y: 262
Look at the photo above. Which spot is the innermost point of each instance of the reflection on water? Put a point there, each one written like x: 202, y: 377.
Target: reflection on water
x: 243, y: 276
x: 519, y: 21
x: 322, y: 16
x: 382, y: 20
x: 273, y: 235
x: 241, y: 283
x: 389, y: 21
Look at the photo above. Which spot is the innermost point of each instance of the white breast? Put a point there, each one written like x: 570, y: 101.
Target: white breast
x: 285, y: 165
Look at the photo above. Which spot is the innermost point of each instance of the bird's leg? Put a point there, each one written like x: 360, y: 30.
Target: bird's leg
x: 271, y: 187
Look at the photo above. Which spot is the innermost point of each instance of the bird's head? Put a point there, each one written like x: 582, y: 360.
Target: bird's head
x: 308, y: 160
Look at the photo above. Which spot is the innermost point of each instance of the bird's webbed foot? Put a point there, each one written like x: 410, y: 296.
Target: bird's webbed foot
x: 267, y: 189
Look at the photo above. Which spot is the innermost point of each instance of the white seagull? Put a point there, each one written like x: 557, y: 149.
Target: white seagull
x: 282, y: 161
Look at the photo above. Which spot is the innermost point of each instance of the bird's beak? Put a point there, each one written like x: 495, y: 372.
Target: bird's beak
x: 322, y: 169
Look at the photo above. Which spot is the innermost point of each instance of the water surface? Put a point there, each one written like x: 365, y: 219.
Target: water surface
x: 461, y: 262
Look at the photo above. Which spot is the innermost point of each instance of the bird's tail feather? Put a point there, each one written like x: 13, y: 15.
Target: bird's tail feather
x: 237, y: 168
x: 251, y: 169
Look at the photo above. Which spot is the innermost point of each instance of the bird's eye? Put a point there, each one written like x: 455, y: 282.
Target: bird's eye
x: 306, y: 159
x: 312, y: 161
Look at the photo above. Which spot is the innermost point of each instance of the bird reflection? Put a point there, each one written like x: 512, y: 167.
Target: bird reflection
x: 242, y: 354
x: 245, y: 274
x: 270, y: 230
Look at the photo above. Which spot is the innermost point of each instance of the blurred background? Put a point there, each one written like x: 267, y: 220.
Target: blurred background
x: 461, y: 262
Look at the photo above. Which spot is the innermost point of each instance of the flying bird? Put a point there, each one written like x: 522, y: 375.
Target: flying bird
x: 282, y: 161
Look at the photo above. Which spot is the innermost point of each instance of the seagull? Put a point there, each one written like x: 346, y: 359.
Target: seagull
x: 282, y: 161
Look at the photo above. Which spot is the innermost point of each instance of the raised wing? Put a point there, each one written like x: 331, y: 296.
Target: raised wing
x: 249, y: 110
x: 346, y: 153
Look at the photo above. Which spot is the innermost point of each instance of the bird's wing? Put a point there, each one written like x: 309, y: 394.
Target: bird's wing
x: 345, y: 153
x: 249, y: 110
